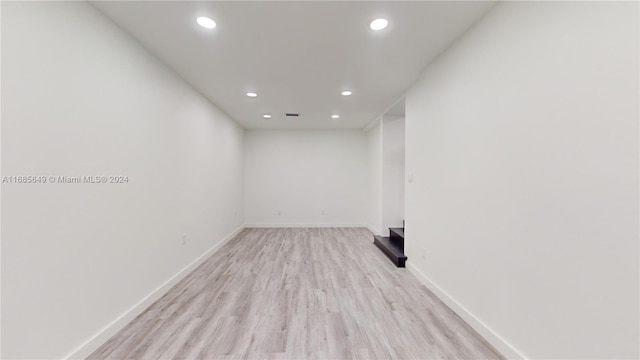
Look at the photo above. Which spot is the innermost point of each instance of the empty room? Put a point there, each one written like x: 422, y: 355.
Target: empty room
x: 320, y: 180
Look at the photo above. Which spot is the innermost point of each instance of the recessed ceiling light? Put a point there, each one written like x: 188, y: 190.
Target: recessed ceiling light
x: 206, y: 22
x: 335, y: 116
x: 267, y: 116
x: 379, y: 24
x: 252, y: 94
x: 346, y: 93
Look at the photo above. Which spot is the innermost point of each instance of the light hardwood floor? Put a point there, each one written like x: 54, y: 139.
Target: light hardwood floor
x: 298, y: 293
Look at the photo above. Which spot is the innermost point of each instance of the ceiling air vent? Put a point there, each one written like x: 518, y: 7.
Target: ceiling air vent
x: 292, y: 114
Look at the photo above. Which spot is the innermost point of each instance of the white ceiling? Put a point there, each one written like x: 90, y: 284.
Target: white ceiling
x: 298, y: 56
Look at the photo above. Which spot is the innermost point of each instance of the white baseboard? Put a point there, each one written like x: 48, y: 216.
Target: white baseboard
x: 372, y: 229
x: 296, y: 225
x: 107, y: 332
x: 491, y: 336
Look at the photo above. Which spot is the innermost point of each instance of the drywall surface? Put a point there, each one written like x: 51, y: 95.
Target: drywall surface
x: 393, y: 172
x: 80, y: 98
x: 522, y: 144
x: 374, y: 179
x: 305, y: 177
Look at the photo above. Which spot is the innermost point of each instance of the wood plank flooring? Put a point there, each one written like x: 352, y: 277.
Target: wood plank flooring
x: 298, y: 293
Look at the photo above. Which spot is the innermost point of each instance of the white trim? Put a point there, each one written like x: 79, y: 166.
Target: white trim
x: 297, y: 225
x: 372, y: 229
x: 485, y: 331
x: 108, y: 331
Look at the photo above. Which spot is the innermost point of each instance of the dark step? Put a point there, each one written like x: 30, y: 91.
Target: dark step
x: 396, y: 232
x: 397, y: 237
x: 391, y: 249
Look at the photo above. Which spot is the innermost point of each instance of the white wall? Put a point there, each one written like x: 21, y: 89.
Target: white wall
x: 523, y: 142
x: 300, y: 173
x: 374, y: 178
x: 80, y: 97
x: 392, y: 172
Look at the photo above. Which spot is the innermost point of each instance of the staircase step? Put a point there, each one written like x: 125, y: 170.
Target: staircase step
x: 396, y: 232
x: 390, y: 249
